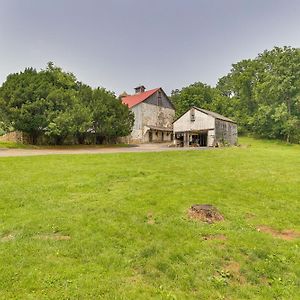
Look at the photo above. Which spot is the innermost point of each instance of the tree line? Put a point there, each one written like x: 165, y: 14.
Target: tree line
x: 52, y: 107
x: 261, y: 94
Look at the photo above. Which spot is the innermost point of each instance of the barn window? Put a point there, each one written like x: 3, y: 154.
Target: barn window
x: 192, y: 114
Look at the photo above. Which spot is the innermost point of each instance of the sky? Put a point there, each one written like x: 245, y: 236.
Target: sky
x: 120, y: 44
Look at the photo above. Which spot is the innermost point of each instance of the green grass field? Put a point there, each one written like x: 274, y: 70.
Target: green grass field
x: 12, y: 145
x: 115, y: 226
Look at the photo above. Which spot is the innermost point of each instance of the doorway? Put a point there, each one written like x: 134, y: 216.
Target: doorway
x: 203, y: 139
x: 150, y: 136
x: 198, y: 139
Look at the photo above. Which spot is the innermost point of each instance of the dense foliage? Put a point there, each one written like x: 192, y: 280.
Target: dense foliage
x: 261, y: 94
x: 52, y: 105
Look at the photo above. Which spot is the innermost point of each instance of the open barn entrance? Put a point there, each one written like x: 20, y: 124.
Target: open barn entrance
x: 198, y: 139
x: 203, y: 139
x: 192, y: 139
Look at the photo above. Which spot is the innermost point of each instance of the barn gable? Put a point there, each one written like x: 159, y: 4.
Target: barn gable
x: 202, y: 121
x: 159, y: 98
x: 155, y: 97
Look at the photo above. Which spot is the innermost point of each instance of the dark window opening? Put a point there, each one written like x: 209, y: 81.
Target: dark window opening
x: 192, y: 114
x: 150, y: 136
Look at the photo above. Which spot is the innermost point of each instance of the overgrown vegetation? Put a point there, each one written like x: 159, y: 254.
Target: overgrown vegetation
x: 115, y: 226
x: 261, y: 94
x: 51, y: 106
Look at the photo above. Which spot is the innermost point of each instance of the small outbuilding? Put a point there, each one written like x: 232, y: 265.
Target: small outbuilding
x: 199, y: 127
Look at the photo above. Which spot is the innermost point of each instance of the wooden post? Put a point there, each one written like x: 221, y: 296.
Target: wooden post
x: 186, y: 139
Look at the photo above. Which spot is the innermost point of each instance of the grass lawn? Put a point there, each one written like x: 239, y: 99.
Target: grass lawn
x: 115, y: 226
x: 12, y: 145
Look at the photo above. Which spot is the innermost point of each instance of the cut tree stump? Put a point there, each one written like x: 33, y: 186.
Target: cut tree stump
x: 205, y: 212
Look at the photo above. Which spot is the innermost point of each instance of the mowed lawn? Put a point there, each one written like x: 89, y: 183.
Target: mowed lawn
x: 115, y: 226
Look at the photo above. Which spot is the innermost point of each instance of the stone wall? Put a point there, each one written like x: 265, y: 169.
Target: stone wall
x: 157, y: 116
x: 16, y: 137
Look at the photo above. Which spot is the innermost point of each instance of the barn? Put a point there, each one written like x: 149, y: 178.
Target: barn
x: 153, y: 115
x: 203, y: 128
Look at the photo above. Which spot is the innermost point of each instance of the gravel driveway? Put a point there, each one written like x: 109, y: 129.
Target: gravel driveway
x: 91, y: 150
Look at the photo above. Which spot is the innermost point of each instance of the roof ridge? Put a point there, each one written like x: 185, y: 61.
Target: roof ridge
x: 214, y: 114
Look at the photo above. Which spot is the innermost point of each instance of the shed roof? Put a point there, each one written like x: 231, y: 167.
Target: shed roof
x: 160, y: 128
x: 210, y: 113
x: 214, y: 114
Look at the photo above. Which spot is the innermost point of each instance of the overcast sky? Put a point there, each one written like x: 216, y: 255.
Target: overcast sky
x: 119, y: 44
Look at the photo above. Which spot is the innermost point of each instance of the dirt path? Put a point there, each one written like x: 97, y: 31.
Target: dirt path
x: 92, y: 150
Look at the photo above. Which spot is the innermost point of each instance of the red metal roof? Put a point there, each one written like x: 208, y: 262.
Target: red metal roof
x: 138, y: 98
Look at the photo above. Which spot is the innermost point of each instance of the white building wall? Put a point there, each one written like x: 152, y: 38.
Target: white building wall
x: 211, y: 138
x: 202, y: 122
x: 137, y: 130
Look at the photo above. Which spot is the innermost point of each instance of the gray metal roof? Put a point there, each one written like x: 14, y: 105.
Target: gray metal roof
x: 215, y: 115
x: 159, y: 128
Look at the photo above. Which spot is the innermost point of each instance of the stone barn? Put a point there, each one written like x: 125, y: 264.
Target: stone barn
x: 153, y: 114
x: 203, y: 128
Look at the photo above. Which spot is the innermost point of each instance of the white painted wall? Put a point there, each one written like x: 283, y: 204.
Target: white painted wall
x: 202, y: 122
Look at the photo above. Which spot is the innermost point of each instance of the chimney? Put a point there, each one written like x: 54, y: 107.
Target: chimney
x: 140, y: 89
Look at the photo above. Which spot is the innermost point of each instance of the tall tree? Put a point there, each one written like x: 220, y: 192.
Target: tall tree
x: 266, y: 91
x: 111, y: 119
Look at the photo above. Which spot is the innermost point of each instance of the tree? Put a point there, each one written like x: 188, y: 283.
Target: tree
x: 197, y: 94
x: 20, y: 103
x: 266, y: 93
x: 111, y: 119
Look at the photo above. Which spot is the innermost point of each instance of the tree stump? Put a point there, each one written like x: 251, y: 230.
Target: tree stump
x: 205, y: 212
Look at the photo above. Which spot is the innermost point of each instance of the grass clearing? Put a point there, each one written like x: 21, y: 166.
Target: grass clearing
x: 13, y: 145
x: 115, y: 226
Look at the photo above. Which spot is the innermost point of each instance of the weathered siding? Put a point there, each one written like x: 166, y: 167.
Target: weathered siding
x: 202, y: 122
x: 154, y: 100
x: 137, y: 110
x: 226, y: 132
x: 137, y: 130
